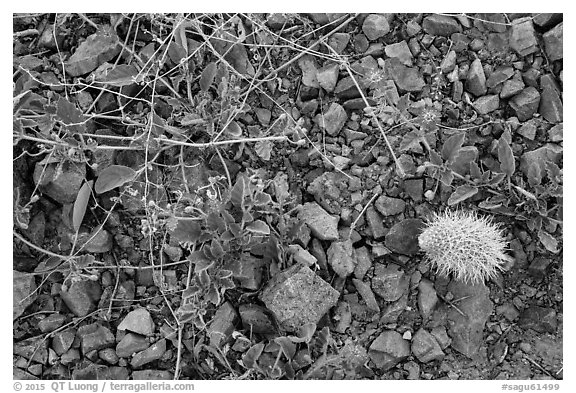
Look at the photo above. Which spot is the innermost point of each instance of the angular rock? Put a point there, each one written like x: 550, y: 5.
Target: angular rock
x: 60, y: 182
x: 400, y: 51
x: 388, y: 350
x: 82, y: 297
x: 440, y: 334
x: 441, y: 25
x: 339, y: 41
x: 97, y: 49
x: 62, y: 341
x: 301, y: 255
x: 487, y: 104
x: 389, y: 206
x: 346, y: 88
x: 138, y: 321
x: 427, y: 298
x: 323, y: 225
x: 333, y: 119
x: 526, y: 103
x: 553, y: 42
x: 546, y: 19
x: 298, y: 296
x: 407, y: 79
x: 131, y: 343
x: 35, y: 348
x: 340, y: 258
x: 548, y: 152
x: 95, y: 337
x: 467, y: 330
x: 551, y: 107
x: 367, y: 294
x: 255, y: 319
x: 375, y: 26
x: 108, y: 355
x: 328, y: 77
x: 223, y: 324
x: 23, y: 292
x: 492, y: 21
x: 499, y: 76
x: 97, y: 241
x: 375, y: 223
x: 556, y: 133
x: 91, y: 371
x: 448, y: 62
x: 414, y: 188
x: 425, y: 347
x: 476, y: 80
x: 403, y: 237
x: 389, y: 282
x: 154, y: 352
x: 363, y: 262
x: 512, y: 87
x: 540, y: 319
x: 528, y: 129
x: 309, y: 69
x: 523, y: 37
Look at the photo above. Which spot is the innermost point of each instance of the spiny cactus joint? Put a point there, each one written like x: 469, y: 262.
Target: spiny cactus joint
x: 464, y: 245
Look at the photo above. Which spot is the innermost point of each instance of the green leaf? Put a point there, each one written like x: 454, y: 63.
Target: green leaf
x: 112, y: 177
x: 207, y: 77
x: 234, y: 129
x: 70, y: 115
x: 548, y: 241
x: 216, y: 249
x: 288, y: 346
x: 263, y: 149
x: 475, y: 172
x: 238, y: 192
x: 121, y: 75
x: 435, y: 158
x: 259, y: 227
x: 80, y: 205
x: 215, y: 223
x: 200, y: 261
x: 452, y: 146
x: 262, y: 199
x: 461, y: 194
x: 506, y: 157
x: 446, y: 177
x: 186, y: 231
x: 251, y: 356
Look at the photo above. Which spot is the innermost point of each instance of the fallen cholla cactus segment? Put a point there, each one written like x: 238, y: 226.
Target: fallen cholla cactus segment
x: 465, y: 245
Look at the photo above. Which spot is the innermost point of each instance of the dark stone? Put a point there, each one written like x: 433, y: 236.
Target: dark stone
x: 389, y: 206
x: 407, y: 79
x: 441, y: 25
x: 60, y: 181
x: 546, y: 19
x: 551, y: 107
x: 467, y: 330
x: 526, y: 103
x: 427, y: 298
x: 523, y: 37
x: 82, y: 297
x: 425, y: 347
x: 152, y: 375
x: 388, y: 349
x: 297, y: 296
x: 499, y: 76
x: 553, y: 42
x: 511, y: 88
x: 487, y: 104
x: 389, y: 282
x: 476, y: 80
x: 540, y: 319
x: 95, y: 337
x: 150, y: 354
x: 403, y: 237
x: 375, y: 223
x: 340, y: 258
x: 347, y: 89
x: 90, y: 371
x: 131, y: 343
x: 414, y: 188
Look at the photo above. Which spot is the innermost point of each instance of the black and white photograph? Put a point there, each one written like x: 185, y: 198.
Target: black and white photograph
x: 287, y: 196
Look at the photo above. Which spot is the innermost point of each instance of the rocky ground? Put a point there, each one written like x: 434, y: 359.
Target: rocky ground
x: 240, y: 196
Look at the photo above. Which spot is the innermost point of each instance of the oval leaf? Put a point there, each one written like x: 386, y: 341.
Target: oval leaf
x: 121, y: 75
x: 259, y: 227
x: 80, y: 205
x: 234, y: 129
x: 207, y: 76
x: 548, y: 241
x: 112, y: 177
x: 452, y: 146
x: 461, y: 194
x: 506, y: 157
x: 251, y: 356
